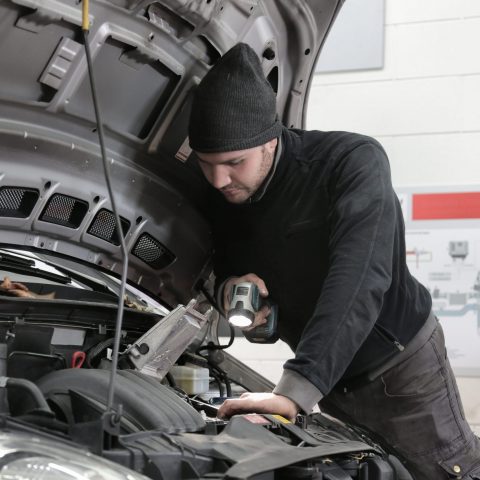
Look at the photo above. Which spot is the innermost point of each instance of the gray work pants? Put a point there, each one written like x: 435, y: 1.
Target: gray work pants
x: 415, y: 408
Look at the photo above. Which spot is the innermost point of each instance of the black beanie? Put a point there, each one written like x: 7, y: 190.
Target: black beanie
x: 234, y: 106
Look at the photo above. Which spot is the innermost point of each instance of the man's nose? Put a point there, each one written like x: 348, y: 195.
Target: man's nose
x: 220, y: 177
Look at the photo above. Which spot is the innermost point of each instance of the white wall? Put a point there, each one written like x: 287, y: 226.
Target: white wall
x: 424, y: 105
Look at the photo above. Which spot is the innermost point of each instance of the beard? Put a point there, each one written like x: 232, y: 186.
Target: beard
x: 240, y: 193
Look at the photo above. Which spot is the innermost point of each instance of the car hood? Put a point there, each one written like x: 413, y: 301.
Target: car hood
x: 147, y: 59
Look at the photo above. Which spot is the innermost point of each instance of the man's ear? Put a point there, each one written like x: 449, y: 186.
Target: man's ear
x: 271, y: 145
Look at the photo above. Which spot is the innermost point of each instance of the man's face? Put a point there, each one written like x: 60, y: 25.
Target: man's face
x: 238, y: 174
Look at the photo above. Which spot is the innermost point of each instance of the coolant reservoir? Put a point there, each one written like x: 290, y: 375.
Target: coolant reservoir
x: 190, y: 378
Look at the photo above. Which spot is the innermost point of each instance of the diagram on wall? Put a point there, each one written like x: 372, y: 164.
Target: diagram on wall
x: 443, y: 253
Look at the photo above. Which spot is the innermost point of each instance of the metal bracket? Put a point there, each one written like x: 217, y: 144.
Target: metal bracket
x: 60, y: 63
x: 159, y: 348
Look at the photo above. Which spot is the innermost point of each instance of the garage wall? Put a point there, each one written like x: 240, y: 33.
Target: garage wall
x: 424, y: 104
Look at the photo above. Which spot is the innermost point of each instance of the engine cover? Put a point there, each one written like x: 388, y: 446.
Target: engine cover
x: 146, y: 403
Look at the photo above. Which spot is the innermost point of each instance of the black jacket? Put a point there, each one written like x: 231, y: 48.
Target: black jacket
x: 327, y: 237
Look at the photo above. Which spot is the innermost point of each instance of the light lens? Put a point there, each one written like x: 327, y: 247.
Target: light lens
x: 240, y: 321
x: 40, y: 468
x: 26, y: 457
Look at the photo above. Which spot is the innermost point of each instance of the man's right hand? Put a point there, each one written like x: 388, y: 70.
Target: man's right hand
x: 262, y: 314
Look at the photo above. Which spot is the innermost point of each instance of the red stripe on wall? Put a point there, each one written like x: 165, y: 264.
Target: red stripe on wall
x: 445, y: 206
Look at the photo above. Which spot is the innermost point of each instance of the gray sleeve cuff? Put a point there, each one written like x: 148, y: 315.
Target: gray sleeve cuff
x: 298, y: 389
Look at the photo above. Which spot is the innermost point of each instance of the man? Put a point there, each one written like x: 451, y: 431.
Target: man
x: 312, y: 219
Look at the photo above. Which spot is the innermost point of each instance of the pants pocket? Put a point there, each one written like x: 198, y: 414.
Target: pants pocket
x: 465, y: 464
x: 424, y: 390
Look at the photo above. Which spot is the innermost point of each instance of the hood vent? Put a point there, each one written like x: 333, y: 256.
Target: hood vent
x: 64, y: 210
x: 103, y: 226
x: 17, y: 202
x: 152, y: 252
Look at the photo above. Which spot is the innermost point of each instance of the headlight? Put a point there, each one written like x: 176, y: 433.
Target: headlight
x: 23, y: 457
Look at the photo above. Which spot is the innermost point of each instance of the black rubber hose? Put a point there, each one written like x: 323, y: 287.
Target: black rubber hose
x: 24, y: 384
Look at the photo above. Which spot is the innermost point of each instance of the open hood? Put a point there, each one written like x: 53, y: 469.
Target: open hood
x: 148, y: 58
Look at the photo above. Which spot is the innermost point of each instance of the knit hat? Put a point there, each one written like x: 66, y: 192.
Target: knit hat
x: 234, y: 106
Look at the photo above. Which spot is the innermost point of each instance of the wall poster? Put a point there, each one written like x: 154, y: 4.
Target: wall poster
x: 443, y: 252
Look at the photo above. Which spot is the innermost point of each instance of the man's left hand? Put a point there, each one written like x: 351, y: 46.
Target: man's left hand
x: 259, y: 403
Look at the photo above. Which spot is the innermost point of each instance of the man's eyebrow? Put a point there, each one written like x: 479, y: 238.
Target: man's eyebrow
x: 236, y: 159
x: 230, y: 160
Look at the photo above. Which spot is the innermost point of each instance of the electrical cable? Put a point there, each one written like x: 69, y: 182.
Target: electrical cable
x: 210, y: 298
x: 101, y: 138
x: 228, y: 385
x: 222, y: 374
x: 97, y: 349
x: 221, y: 390
x: 170, y: 380
x: 212, y: 346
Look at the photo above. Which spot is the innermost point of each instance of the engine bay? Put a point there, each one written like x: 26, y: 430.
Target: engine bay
x: 56, y: 366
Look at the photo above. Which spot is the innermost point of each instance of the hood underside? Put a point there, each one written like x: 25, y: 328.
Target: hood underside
x: 147, y: 59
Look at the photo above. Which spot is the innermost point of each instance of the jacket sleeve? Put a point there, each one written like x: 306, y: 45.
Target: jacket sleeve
x: 362, y: 225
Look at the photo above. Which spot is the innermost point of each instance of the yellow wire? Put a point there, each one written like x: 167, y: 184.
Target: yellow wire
x: 85, y: 21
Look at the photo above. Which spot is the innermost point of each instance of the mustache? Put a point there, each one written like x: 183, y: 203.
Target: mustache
x: 231, y: 187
